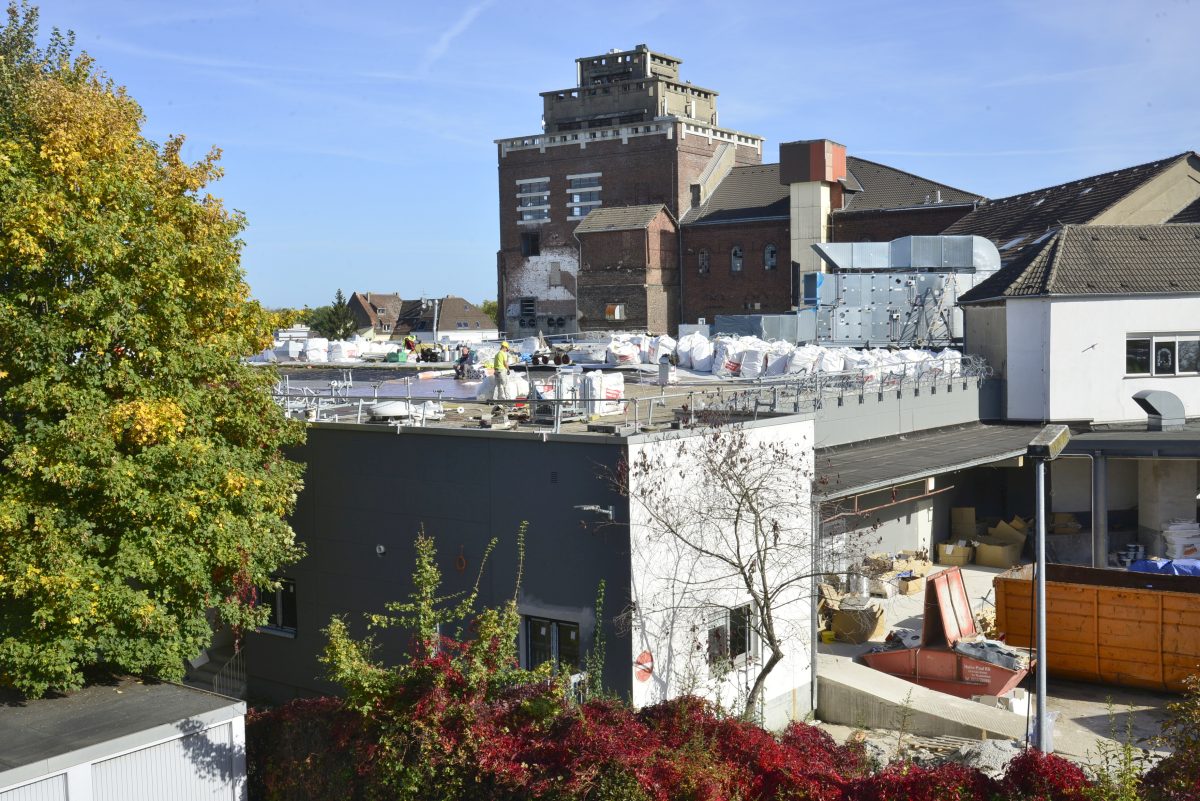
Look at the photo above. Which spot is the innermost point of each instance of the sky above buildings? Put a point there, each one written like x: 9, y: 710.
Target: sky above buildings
x: 358, y: 137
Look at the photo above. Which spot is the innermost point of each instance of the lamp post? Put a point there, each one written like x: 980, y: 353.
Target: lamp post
x: 1045, y: 447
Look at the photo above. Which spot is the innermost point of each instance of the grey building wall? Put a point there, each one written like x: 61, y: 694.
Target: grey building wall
x: 367, y: 486
x: 876, y: 414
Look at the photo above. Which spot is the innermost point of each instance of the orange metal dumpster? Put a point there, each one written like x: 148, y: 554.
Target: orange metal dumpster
x: 934, y: 663
x: 1107, y: 626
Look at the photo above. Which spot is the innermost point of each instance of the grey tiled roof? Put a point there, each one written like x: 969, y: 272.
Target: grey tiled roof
x: 618, y: 218
x: 1017, y: 221
x: 1117, y: 260
x: 746, y: 193
x: 886, y: 187
x: 754, y: 193
x: 1190, y: 214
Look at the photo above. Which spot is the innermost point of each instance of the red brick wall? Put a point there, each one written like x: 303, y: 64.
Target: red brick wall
x: 637, y: 268
x: 884, y: 226
x: 721, y: 291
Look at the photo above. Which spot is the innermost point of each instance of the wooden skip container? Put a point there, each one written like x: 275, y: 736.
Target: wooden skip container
x: 1107, y: 626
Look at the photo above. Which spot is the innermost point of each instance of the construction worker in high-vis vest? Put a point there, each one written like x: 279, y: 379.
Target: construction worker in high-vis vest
x: 500, y: 369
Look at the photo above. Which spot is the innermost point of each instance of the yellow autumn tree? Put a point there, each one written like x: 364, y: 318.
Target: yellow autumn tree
x: 142, y: 481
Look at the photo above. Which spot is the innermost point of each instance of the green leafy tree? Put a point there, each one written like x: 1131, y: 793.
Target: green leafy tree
x: 141, y: 476
x: 492, y: 309
x: 334, y: 321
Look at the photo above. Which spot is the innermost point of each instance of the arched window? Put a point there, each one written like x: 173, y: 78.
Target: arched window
x: 770, y: 257
x: 704, y: 259
x: 735, y: 259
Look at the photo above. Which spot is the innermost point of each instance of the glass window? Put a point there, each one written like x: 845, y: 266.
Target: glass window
x: 1137, y: 356
x: 533, y: 201
x: 730, y: 637
x: 735, y: 259
x: 770, y: 257
x: 1189, y: 355
x: 585, y: 197
x: 1164, y: 357
x: 552, y: 640
x: 283, y: 605
x: 704, y: 259
x: 533, y: 187
x: 534, y: 215
x: 584, y: 183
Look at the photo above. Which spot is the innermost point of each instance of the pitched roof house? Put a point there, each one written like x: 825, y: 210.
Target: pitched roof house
x: 1093, y: 314
x: 388, y: 316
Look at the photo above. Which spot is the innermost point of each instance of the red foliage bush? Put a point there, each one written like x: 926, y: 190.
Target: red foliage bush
x: 902, y: 781
x: 1034, y: 776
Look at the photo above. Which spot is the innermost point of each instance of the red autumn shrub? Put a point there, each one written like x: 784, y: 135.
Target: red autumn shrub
x: 902, y: 781
x: 1034, y: 776
x: 310, y: 748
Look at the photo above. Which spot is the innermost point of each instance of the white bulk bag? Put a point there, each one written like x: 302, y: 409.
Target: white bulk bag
x: 727, y: 357
x: 702, y: 356
x: 754, y: 362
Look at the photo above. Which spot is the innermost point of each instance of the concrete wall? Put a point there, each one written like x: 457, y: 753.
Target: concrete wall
x: 985, y: 333
x: 810, y: 205
x: 1027, y: 331
x: 1158, y: 200
x: 368, y: 486
x: 1071, y: 485
x: 1087, y: 375
x: 1166, y: 492
x: 875, y: 415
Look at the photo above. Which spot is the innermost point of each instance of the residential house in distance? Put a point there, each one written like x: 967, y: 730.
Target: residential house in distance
x: 387, y: 316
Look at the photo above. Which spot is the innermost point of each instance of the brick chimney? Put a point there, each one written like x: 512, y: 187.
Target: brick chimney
x: 812, y: 171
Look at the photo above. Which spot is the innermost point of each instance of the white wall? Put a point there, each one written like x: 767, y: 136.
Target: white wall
x: 1088, y: 357
x: 1071, y: 483
x: 676, y: 591
x: 1028, y: 335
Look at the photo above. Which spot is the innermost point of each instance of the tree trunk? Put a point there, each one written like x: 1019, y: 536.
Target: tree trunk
x: 760, y: 681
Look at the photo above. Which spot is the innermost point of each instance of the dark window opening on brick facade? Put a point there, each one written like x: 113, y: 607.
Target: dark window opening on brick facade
x: 735, y: 259
x: 704, y: 259
x: 770, y: 257
x: 530, y: 245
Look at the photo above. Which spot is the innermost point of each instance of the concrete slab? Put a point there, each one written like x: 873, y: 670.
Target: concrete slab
x: 852, y: 694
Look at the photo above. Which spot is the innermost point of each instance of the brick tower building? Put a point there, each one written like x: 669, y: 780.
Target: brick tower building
x: 635, y: 147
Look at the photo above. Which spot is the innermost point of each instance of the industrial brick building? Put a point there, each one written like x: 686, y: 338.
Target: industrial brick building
x: 720, y: 232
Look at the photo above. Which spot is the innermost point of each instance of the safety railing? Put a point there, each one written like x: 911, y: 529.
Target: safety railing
x: 692, y: 402
x: 230, y: 680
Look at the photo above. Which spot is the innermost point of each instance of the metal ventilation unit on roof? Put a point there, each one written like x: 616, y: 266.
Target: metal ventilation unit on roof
x: 901, y: 293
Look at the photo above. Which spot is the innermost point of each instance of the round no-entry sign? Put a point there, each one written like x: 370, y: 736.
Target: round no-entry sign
x: 643, y: 666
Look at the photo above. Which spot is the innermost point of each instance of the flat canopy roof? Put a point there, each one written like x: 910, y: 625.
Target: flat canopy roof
x: 49, y: 735
x: 878, y: 464
x: 1130, y: 442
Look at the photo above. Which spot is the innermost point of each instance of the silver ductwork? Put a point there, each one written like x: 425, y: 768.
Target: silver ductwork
x: 901, y: 293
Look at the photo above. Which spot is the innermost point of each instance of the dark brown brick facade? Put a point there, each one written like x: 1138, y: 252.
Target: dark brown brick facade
x: 723, y: 291
x: 635, y: 268
x: 643, y: 170
x: 886, y: 225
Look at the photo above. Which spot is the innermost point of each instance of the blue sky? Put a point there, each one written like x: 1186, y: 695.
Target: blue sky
x: 358, y: 137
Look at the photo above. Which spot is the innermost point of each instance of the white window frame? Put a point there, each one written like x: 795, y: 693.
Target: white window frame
x: 1155, y: 340
x: 719, y: 633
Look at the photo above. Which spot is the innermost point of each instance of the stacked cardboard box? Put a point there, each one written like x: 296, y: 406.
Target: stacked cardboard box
x: 962, y: 522
x: 1003, y: 544
x: 955, y: 553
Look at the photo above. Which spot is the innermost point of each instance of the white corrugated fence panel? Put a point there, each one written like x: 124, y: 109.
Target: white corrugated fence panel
x: 197, y: 766
x: 51, y: 789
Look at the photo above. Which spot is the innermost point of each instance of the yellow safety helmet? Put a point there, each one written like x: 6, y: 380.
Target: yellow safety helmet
x: 503, y: 346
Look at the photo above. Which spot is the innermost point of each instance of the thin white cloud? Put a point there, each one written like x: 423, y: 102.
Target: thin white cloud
x: 439, y: 48
x: 1064, y: 76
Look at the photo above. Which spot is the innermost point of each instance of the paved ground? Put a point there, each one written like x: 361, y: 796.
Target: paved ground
x: 1084, y: 708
